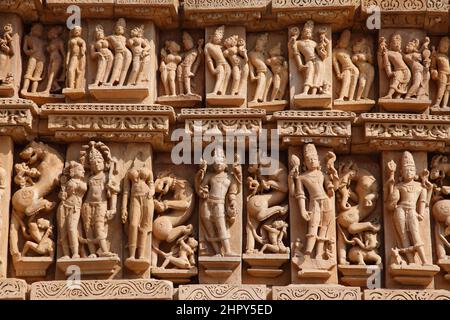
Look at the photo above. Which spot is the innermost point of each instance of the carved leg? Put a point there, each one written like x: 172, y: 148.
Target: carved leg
x: 267, y: 85
x: 134, y: 219
x: 37, y: 75
x: 177, y: 232
x: 14, y: 236
x: 125, y: 67
x: 40, y: 204
x: 400, y: 228
x: 135, y: 66
x: 154, y: 258
x: 359, y: 227
x: 172, y: 85
x: 259, y: 91
x: 72, y: 227
x: 226, y: 80
x: 62, y: 231
x: 341, y: 247
x: 244, y: 77
x: 220, y: 76
x: 236, y: 76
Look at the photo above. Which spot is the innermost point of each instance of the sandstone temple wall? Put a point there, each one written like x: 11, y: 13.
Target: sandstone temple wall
x: 198, y: 149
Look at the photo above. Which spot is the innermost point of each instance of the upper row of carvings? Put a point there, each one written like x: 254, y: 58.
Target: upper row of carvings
x: 254, y: 14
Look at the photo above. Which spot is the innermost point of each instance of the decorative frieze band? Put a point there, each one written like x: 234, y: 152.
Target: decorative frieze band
x: 222, y: 292
x: 387, y: 294
x: 13, y: 289
x: 311, y: 292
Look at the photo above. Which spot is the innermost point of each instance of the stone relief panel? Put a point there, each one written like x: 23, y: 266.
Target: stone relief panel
x: 353, y: 60
x: 440, y: 71
x: 268, y: 71
x: 181, y: 68
x: 310, y: 64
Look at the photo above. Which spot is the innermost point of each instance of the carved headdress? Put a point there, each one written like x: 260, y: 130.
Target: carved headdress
x: 93, y: 151
x: 407, y: 159
x: 309, y: 26
x: 309, y: 149
x: 219, y: 32
x: 219, y: 156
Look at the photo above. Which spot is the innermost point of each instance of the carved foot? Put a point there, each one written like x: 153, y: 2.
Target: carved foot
x: 76, y: 256
x: 64, y: 258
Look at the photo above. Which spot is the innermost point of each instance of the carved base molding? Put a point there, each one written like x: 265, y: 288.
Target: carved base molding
x: 138, y: 289
x: 266, y: 265
x: 13, y: 289
x: 392, y: 294
x: 222, y: 292
x: 358, y: 275
x: 177, y: 276
x: 315, y: 292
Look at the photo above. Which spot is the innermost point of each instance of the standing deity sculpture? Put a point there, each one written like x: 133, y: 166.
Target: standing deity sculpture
x: 440, y: 72
x: 6, y: 52
x: 34, y: 47
x: 122, y: 55
x: 408, y: 200
x: 100, y: 51
x: 76, y: 60
x: 317, y: 255
x: 137, y: 210
x: 309, y: 57
x: 357, y: 196
x: 170, y: 58
x: 73, y: 189
x: 218, y: 191
x: 99, y: 205
x: 175, y: 205
x: 267, y: 207
x: 187, y: 69
x: 344, y: 68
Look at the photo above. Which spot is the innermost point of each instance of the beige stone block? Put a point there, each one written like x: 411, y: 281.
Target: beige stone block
x: 13, y: 289
x: 222, y: 292
x: 392, y: 294
x: 6, y: 170
x: 315, y: 292
x: 126, y: 289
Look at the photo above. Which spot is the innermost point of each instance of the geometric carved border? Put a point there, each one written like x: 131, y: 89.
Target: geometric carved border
x: 387, y: 294
x: 13, y: 289
x: 315, y: 292
x: 222, y: 292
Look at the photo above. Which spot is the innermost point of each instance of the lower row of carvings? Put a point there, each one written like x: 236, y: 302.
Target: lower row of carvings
x: 164, y: 238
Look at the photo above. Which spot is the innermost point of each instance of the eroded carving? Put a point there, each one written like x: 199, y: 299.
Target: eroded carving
x: 440, y: 72
x: 6, y: 53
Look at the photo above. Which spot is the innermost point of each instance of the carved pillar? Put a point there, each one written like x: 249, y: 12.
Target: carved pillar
x: 6, y: 170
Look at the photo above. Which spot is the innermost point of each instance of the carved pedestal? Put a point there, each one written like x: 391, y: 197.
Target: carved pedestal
x: 222, y: 292
x: 126, y: 289
x: 405, y: 268
x: 269, y: 265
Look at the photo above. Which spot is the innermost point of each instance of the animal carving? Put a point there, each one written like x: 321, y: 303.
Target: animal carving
x: 175, y: 210
x: 29, y: 200
x: 351, y: 217
x: 364, y: 250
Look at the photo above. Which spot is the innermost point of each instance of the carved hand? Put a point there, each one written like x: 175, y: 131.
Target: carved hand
x: 306, y: 215
x: 124, y: 216
x: 110, y: 214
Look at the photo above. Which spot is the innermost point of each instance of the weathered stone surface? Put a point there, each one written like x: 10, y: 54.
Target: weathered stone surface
x: 139, y: 289
x: 387, y: 294
x: 222, y: 292
x: 315, y: 292
x: 13, y: 289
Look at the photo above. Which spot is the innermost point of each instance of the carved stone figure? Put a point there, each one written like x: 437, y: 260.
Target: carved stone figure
x: 122, y: 55
x: 407, y: 201
x: 6, y: 52
x: 266, y: 205
x: 280, y: 71
x: 218, y: 192
x: 309, y: 56
x: 236, y: 53
x: 3, y: 182
x: 170, y: 58
x: 141, y: 52
x: 345, y: 69
x: 217, y: 63
x: 73, y: 188
x: 99, y: 205
x: 357, y: 195
x: 259, y: 71
x: 318, y: 211
x: 100, y: 51
x: 56, y: 52
x: 76, y: 60
x: 188, y: 67
x: 28, y: 202
x: 440, y: 72
x: 34, y: 48
x: 138, y: 194
x: 440, y: 172
x: 41, y: 232
x: 418, y: 60
x: 175, y: 205
x: 363, y: 59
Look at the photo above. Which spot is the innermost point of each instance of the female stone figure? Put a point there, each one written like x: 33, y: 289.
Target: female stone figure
x: 141, y: 51
x: 362, y: 57
x: 122, y: 55
x: 396, y: 69
x: 33, y: 47
x: 56, y: 55
x: 76, y: 60
x: 6, y: 52
x: 170, y: 58
x: 101, y: 199
x: 440, y: 71
x: 100, y: 51
x: 259, y: 71
x: 237, y: 57
x: 344, y: 68
x: 139, y: 189
x: 73, y: 188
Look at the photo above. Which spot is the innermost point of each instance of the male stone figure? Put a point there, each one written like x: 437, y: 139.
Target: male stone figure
x: 191, y: 61
x: 219, y: 191
x: 216, y: 62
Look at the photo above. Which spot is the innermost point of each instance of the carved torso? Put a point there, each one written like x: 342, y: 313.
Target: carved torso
x: 97, y: 188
